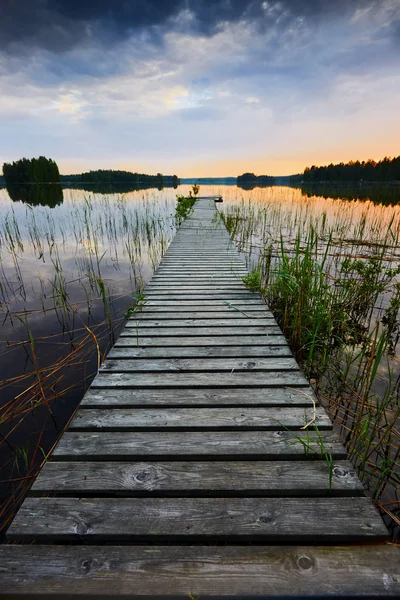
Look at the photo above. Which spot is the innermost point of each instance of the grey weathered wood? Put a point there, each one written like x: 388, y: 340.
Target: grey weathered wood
x: 199, y: 364
x: 197, y: 341
x: 226, y: 295
x: 193, y: 380
x: 197, y: 352
x: 203, y: 331
x: 290, y: 396
x: 259, y: 478
x: 190, y: 419
x: 135, y: 321
x: 315, y: 520
x: 147, y: 315
x: 207, y: 286
x: 251, y: 303
x: 247, y: 572
x: 205, y: 307
x: 196, y: 445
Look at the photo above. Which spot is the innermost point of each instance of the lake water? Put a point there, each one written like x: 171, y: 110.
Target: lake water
x: 72, y: 266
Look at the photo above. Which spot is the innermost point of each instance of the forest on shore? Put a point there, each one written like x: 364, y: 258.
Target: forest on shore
x: 110, y: 176
x: 387, y: 170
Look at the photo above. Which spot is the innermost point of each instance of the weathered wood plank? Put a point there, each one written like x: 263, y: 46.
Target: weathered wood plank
x: 197, y: 419
x: 300, y: 520
x: 147, y: 315
x: 198, y: 364
x: 216, y: 322
x: 208, y: 286
x: 193, y: 380
x: 202, y: 331
x: 197, y: 352
x: 366, y: 571
x: 237, y: 478
x: 196, y: 445
x: 198, y: 397
x: 219, y: 294
x: 172, y: 308
x: 255, y: 303
x: 197, y: 341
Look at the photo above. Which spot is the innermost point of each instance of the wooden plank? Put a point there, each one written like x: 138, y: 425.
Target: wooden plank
x: 259, y: 478
x: 246, y: 322
x: 199, y: 364
x: 221, y: 340
x: 219, y: 294
x: 196, y: 445
x: 198, y: 397
x: 212, y: 283
x: 240, y: 303
x: 230, y: 297
x: 197, y: 352
x: 197, y: 284
x: 197, y: 419
x: 202, y: 380
x: 298, y: 520
x: 202, y: 331
x: 147, y: 315
x: 205, y: 307
x: 366, y: 571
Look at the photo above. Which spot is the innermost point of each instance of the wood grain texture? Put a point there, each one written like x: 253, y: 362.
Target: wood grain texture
x: 194, y: 380
x: 203, y: 331
x: 234, y: 478
x: 300, y: 520
x: 195, y: 445
x: 148, y: 314
x: 198, y: 341
x: 198, y: 397
x: 226, y: 353
x: 254, y: 303
x: 134, y: 322
x: 181, y: 365
x: 366, y: 571
x: 191, y: 419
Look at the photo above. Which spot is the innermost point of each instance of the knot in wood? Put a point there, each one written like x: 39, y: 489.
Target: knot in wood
x: 142, y: 476
x: 340, y: 472
x: 267, y: 518
x: 81, y: 529
x: 306, y: 563
x: 86, y: 565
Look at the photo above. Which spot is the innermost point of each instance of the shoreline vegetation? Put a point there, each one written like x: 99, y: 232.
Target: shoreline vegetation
x: 385, y: 171
x: 334, y: 287
x: 38, y: 181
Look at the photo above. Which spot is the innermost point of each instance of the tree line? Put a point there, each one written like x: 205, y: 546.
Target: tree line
x: 248, y: 181
x: 387, y: 169
x: 110, y: 176
x: 34, y: 170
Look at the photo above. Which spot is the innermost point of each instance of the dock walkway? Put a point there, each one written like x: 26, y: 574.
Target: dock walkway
x: 186, y: 471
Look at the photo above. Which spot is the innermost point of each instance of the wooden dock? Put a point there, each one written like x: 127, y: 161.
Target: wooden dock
x: 186, y: 472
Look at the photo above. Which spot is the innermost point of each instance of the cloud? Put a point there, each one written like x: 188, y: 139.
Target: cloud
x: 61, y: 25
x: 142, y: 79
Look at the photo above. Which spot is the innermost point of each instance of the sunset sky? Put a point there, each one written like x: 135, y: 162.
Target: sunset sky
x: 199, y: 87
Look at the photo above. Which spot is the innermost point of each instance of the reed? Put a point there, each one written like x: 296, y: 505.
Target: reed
x: 332, y: 282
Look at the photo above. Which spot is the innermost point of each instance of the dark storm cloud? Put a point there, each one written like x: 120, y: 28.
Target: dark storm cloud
x: 60, y: 25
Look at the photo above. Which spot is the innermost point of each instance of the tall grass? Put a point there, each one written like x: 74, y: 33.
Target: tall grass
x: 332, y: 282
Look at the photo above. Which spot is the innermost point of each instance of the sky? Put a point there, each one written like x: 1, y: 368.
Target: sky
x: 199, y: 87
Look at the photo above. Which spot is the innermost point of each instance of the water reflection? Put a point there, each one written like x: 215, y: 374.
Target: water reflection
x: 114, y: 188
x: 378, y: 194
x: 37, y: 194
